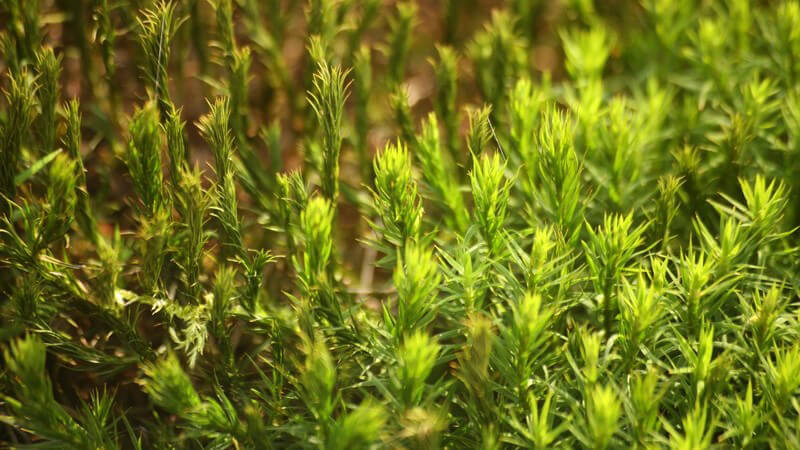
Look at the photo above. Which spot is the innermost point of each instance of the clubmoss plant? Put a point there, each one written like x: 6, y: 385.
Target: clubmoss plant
x: 18, y: 118
x: 416, y: 358
x: 438, y: 174
x: 490, y: 191
x: 608, y: 252
x: 396, y: 199
x: 48, y: 72
x: 417, y: 279
x: 446, y: 71
x: 400, y: 39
x: 533, y: 225
x: 157, y: 29
x: 327, y: 100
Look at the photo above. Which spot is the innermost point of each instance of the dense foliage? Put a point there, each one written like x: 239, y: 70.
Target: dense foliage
x: 349, y: 224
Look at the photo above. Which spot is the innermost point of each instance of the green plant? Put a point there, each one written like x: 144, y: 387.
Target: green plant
x: 399, y: 225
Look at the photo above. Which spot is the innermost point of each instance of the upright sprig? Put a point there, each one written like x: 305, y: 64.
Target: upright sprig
x: 225, y: 30
x: 322, y: 20
x: 157, y: 29
x: 666, y: 208
x: 176, y: 144
x: 20, y: 114
x: 617, y: 150
x: 559, y: 185
x: 237, y: 61
x: 765, y: 310
x: 238, y: 88
x: 416, y: 358
x: 700, y: 290
x: 473, y: 372
x: 107, y: 36
x: 523, y: 342
x: 369, y: 12
x: 215, y: 129
x: 61, y: 199
x: 698, y: 429
x: 219, y: 321
x: 480, y: 130
x: 764, y: 208
x: 490, y: 192
x: 316, y: 222
x: 525, y: 107
x: 37, y: 411
x: 446, y: 73
x: 48, y: 71
x: 292, y: 200
x: 608, y: 251
x: 401, y: 109
x: 72, y: 143
x: 25, y: 24
x: 602, y: 418
x: 781, y: 379
x: 171, y: 389
x: 360, y: 428
x: 8, y: 47
x: 440, y: 178
x: 645, y: 397
x: 780, y: 32
x: 641, y: 310
x: 586, y: 52
x: 144, y: 158
x: 327, y: 98
x: 417, y: 280
x: 395, y: 197
x: 318, y: 381
x: 192, y: 202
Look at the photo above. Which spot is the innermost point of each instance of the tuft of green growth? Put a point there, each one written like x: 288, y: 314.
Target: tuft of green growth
x: 603, y: 413
x: 558, y: 181
x: 36, y: 409
x: 416, y: 278
x: 48, y: 73
x: 20, y: 113
x: 316, y: 222
x: 396, y: 199
x: 143, y: 158
x: 446, y: 101
x: 215, y: 129
x: 157, y: 28
x: 363, y: 87
x: 439, y: 175
x: 586, y: 52
x: 176, y: 144
x: 416, y: 359
x: 480, y: 130
x: 608, y: 251
x: 490, y: 192
x: 330, y: 91
x: 192, y: 203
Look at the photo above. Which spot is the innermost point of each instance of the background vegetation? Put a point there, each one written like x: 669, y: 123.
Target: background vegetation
x: 354, y: 224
